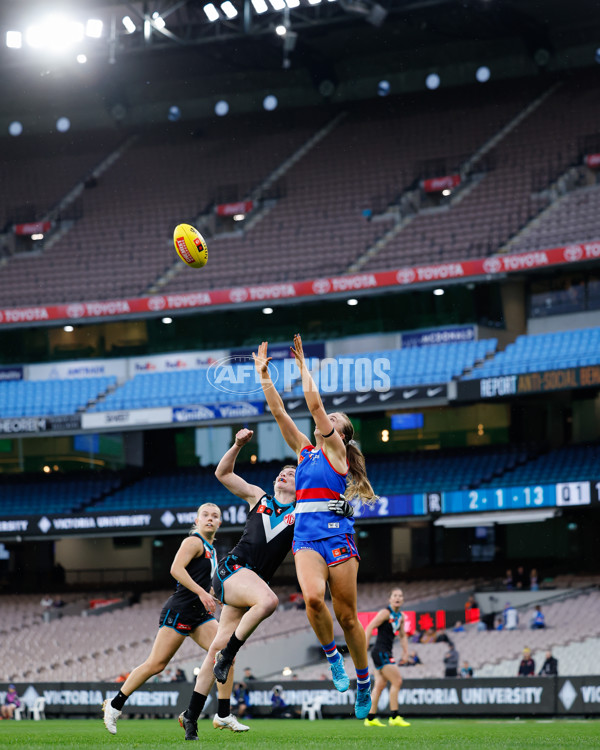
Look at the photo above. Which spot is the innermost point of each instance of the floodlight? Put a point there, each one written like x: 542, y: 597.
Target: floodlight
x: 438, y: 292
x: 278, y: 4
x: 81, y: 59
x: 174, y: 113
x: 314, y: 2
x: 158, y: 20
x: 270, y: 102
x: 483, y: 74
x: 14, y: 39
x: 383, y: 88
x: 15, y: 128
x: 292, y: 3
x: 260, y: 6
x: 280, y: 30
x: 93, y: 28
x: 63, y: 124
x: 229, y: 9
x: 211, y: 12
x: 129, y: 24
x: 432, y: 81
x: 221, y: 108
x: 55, y: 32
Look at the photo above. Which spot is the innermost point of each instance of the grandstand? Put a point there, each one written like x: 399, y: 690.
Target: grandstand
x: 438, y: 251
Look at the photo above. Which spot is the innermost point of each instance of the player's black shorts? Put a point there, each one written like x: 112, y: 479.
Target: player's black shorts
x: 226, y: 568
x: 381, y: 658
x: 184, y: 621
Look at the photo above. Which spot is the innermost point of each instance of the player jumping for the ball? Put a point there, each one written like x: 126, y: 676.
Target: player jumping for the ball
x: 241, y: 580
x: 324, y: 547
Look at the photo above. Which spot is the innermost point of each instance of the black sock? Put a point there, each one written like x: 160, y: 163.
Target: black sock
x: 371, y: 716
x: 394, y: 714
x: 194, y: 710
x: 119, y: 700
x: 224, y: 708
x: 231, y: 649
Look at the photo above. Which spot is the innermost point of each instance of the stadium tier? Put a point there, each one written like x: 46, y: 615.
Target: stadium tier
x: 24, y: 398
x: 410, y: 366
x: 52, y: 494
x: 548, y: 351
x: 365, y: 159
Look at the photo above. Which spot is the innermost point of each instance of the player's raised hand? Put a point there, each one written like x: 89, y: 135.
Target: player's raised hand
x: 261, y: 360
x: 243, y: 436
x: 298, y: 351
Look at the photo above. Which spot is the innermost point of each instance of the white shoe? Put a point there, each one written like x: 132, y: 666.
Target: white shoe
x: 229, y: 722
x: 110, y: 716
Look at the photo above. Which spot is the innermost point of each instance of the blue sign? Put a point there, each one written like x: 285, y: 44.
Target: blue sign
x: 282, y: 351
x: 499, y: 498
x: 438, y: 336
x: 407, y: 421
x: 233, y: 410
x: 11, y: 373
x: 392, y: 505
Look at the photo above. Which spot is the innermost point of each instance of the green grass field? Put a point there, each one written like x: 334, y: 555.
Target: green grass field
x: 424, y: 734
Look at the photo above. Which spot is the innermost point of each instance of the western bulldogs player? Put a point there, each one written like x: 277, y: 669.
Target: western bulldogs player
x: 389, y: 623
x: 241, y: 580
x: 188, y: 612
x: 324, y: 547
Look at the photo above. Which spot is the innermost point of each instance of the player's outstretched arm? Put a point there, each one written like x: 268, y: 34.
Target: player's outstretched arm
x: 335, y: 445
x: 189, y: 549
x: 251, y: 493
x: 378, y: 620
x: 291, y: 434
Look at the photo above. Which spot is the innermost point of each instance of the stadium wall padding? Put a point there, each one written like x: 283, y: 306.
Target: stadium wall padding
x: 534, y: 696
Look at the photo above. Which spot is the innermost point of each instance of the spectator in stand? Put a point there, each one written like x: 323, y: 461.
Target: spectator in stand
x: 471, y: 602
x: 466, y: 670
x: 168, y: 675
x: 458, y: 627
x: 508, y: 580
x: 180, y: 675
x: 427, y: 636
x: 511, y: 617
x: 241, y: 697
x: 11, y: 702
x: 411, y: 661
x: 533, y: 580
x: 451, y: 661
x: 538, y: 621
x: 280, y: 708
x: 550, y: 666
x: 248, y: 674
x: 521, y: 578
x: 527, y: 665
x: 47, y: 601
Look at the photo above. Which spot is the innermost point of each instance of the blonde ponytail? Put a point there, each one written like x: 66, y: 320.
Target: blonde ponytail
x: 358, y: 484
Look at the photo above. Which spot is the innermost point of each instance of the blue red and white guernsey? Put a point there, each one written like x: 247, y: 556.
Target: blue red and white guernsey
x: 317, y: 482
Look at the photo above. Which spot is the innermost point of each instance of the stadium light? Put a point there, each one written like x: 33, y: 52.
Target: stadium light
x: 130, y: 27
x: 15, y: 128
x: 93, y: 28
x: 314, y: 2
x: 446, y: 192
x: 292, y: 3
x: 56, y: 33
x: 352, y: 302
x: 239, y: 217
x: 81, y: 59
x: 14, y: 39
x: 500, y: 517
x: 432, y: 81
x: 278, y: 4
x: 280, y: 30
x: 211, y: 12
x: 158, y: 20
x: 63, y: 124
x: 483, y: 74
x: 68, y: 329
x: 167, y: 321
x: 438, y: 292
x: 260, y: 6
x: 267, y: 310
x: 221, y: 108
x: 37, y: 237
x: 229, y: 9
x: 270, y: 102
x: 383, y: 88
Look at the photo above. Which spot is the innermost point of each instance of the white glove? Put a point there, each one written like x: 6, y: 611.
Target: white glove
x: 341, y: 506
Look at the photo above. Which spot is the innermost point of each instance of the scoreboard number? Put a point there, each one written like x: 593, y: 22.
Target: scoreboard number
x: 573, y: 493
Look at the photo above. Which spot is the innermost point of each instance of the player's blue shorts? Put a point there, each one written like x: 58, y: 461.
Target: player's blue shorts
x: 334, y: 549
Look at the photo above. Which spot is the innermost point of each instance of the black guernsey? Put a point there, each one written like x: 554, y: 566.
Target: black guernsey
x: 201, y: 571
x: 267, y: 537
x: 387, y: 631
